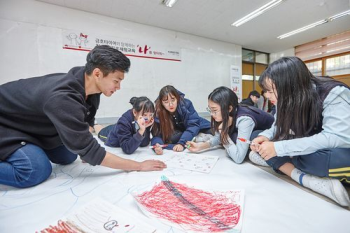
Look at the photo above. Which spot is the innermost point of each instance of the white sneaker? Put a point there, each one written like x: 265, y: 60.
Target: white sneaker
x: 256, y: 159
x: 331, y: 188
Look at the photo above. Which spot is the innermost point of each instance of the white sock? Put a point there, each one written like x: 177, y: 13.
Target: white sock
x: 328, y: 187
x: 299, y: 177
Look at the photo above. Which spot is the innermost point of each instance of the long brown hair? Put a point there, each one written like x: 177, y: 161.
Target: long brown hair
x: 165, y: 127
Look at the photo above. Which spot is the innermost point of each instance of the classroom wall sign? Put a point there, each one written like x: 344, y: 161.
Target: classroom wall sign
x: 83, y: 41
x: 236, y: 81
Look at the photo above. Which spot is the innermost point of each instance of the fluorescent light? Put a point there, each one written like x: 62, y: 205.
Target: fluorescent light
x: 303, y: 29
x: 318, y: 23
x: 339, y: 15
x: 169, y: 3
x: 256, y: 12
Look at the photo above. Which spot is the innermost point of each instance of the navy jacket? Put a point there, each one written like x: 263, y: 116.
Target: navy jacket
x: 123, y: 134
x: 190, y: 119
x: 49, y: 111
x: 262, y: 119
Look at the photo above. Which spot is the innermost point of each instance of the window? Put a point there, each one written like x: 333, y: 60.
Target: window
x: 262, y: 58
x: 247, y: 55
x: 325, y: 47
x: 328, y: 56
x: 315, y: 67
x: 253, y: 64
x: 338, y: 65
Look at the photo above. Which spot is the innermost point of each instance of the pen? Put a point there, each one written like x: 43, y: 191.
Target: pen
x: 133, y: 122
x: 152, y: 147
x: 246, y: 141
x: 189, y: 145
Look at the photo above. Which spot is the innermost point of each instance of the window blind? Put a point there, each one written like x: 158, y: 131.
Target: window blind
x: 335, y: 44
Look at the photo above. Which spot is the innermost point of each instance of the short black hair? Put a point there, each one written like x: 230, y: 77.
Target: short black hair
x: 142, y: 104
x: 254, y: 93
x: 107, y: 59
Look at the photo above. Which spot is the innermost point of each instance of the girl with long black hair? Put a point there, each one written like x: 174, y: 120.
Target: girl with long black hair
x: 230, y: 121
x: 310, y: 138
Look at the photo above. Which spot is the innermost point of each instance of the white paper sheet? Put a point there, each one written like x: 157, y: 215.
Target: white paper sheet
x: 191, y: 209
x: 99, y: 216
x: 271, y: 204
x: 189, y: 161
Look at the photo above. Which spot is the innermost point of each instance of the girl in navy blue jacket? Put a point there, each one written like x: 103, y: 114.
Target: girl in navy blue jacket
x: 176, y: 121
x: 133, y: 127
x: 231, y: 121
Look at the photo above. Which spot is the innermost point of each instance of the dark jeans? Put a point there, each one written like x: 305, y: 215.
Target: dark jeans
x: 333, y: 163
x: 30, y: 165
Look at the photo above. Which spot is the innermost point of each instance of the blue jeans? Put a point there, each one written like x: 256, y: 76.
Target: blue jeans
x: 30, y: 165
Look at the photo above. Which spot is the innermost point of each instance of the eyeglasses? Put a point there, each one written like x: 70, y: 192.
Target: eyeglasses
x: 213, y: 113
x: 167, y: 102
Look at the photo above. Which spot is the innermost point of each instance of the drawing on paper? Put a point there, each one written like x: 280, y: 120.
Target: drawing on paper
x: 99, y: 216
x: 193, y: 209
x: 192, y: 162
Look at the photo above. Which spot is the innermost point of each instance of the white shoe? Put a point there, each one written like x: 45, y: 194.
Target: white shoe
x: 256, y: 159
x: 331, y: 188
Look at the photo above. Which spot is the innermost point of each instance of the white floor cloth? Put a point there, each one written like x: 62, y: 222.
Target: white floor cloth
x: 271, y: 204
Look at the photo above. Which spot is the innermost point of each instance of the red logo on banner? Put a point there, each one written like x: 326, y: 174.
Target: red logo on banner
x: 144, y: 50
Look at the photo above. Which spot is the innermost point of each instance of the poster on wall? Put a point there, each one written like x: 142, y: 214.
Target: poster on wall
x: 83, y: 41
x: 236, y: 81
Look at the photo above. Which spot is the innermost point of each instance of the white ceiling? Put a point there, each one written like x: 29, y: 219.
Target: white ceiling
x: 213, y: 18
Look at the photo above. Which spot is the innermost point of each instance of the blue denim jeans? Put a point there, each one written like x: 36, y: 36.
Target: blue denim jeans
x: 30, y: 165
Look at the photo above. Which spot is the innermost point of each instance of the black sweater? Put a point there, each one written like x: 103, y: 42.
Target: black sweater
x: 49, y: 111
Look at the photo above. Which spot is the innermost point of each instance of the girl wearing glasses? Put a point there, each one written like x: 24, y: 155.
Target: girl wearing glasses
x: 310, y: 139
x: 231, y: 121
x: 176, y: 121
x: 133, y: 127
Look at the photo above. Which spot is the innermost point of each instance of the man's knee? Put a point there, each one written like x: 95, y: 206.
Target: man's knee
x: 28, y: 177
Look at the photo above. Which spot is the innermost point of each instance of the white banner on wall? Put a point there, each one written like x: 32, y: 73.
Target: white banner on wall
x: 236, y: 81
x: 82, y: 41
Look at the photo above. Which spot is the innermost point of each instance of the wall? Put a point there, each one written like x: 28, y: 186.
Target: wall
x: 285, y: 53
x: 31, y: 45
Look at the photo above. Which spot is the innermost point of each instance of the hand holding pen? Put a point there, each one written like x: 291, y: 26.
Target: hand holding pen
x: 192, y: 145
x: 255, y: 144
x: 246, y: 141
x: 158, y: 148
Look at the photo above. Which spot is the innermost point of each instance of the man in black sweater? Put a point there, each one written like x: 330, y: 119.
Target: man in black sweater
x: 252, y: 99
x: 47, y: 118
